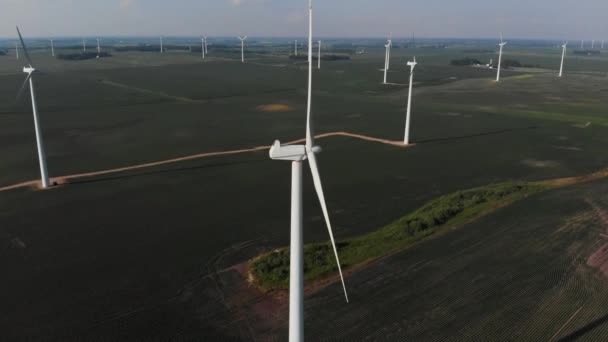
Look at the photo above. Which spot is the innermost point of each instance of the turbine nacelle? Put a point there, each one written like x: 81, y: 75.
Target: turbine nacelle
x: 291, y: 152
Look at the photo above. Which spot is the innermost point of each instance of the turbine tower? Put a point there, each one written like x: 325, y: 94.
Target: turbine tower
x: 84, y: 45
x: 386, y: 59
x: 52, y: 48
x: 206, y: 50
x: 297, y: 154
x: 319, y: 57
x: 561, y: 68
x: 242, y: 39
x: 502, y: 45
x: 203, y: 47
x: 390, y: 46
x: 412, y: 65
x: 162, y: 50
x: 98, y: 48
x: 296, y: 48
x: 30, y: 71
x: 17, y: 51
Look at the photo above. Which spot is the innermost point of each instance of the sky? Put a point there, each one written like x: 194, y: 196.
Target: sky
x: 525, y: 19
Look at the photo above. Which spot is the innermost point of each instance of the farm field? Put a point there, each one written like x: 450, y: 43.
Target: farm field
x: 112, y: 255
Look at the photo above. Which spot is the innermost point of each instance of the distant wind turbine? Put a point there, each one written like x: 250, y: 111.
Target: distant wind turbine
x: 406, y: 140
x: 30, y: 71
x: 386, y: 59
x: 52, y: 48
x: 319, y: 57
x: 17, y: 51
x: 162, y: 50
x: 84, y: 45
x: 297, y: 154
x: 502, y: 44
x: 561, y: 68
x: 98, y: 48
x: 242, y: 39
x: 203, y: 47
x: 390, y: 46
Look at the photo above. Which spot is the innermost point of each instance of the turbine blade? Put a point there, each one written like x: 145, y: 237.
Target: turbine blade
x: 23, y: 87
x: 314, y: 169
x: 27, y: 55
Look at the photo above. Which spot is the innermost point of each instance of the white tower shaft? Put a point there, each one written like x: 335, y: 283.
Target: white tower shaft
x: 561, y: 68
x: 406, y: 139
x: 162, y: 50
x: 41, y: 155
x: 84, y: 45
x: 17, y: 50
x: 499, y: 63
x: 242, y: 51
x: 296, y: 261
x: 319, y: 56
x: 203, y: 47
x: 385, y: 64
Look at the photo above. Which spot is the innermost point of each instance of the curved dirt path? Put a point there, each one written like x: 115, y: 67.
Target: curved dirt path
x: 66, y: 179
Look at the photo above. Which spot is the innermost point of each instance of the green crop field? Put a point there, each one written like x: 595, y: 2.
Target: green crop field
x: 157, y: 252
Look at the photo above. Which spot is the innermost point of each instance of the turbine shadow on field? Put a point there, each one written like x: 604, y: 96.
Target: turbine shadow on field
x: 164, y: 171
x: 476, y: 135
x: 584, y: 330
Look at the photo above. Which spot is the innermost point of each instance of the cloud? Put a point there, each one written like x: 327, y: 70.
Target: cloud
x: 125, y: 4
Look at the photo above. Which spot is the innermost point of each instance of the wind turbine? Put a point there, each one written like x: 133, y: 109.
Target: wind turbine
x: 161, y: 45
x: 386, y: 59
x: 390, y: 46
x: 319, y: 56
x: 30, y: 71
x: 298, y: 154
x: 98, y: 48
x: 203, y: 47
x: 412, y: 65
x: 561, y: 68
x: 243, y: 48
x: 502, y: 44
x: 84, y: 45
x: 52, y: 48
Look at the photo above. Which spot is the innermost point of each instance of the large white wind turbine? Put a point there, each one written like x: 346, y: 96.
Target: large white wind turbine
x: 387, y: 58
x: 52, y: 48
x: 412, y: 65
x: 30, y: 71
x: 502, y: 45
x: 242, y: 39
x: 561, y: 68
x: 297, y: 154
